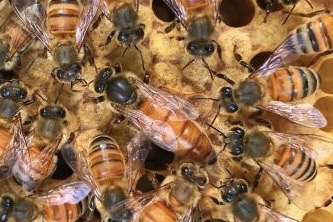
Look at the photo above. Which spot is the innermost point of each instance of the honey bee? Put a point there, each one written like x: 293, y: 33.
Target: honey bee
x: 129, y: 31
x: 244, y: 206
x: 198, y: 17
x: 68, y: 22
x: 308, y: 39
x: 15, y: 40
x: 290, y: 159
x: 68, y: 202
x: 274, y: 5
x: 172, y: 202
x: 162, y: 117
x: 20, y: 209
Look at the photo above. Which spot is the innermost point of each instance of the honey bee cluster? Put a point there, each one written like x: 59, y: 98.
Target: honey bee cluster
x: 166, y: 110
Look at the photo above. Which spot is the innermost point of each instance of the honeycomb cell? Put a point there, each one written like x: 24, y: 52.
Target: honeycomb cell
x: 325, y: 73
x: 237, y: 13
x: 162, y: 11
x: 324, y: 104
x: 318, y: 215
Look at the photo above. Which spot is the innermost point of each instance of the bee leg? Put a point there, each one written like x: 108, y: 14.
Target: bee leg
x: 109, y: 38
x: 289, y: 13
x: 327, y: 202
x: 209, y: 69
x: 89, y: 56
x: 240, y: 60
x: 117, y: 67
x: 188, y: 64
x: 318, y: 56
x: 171, y: 26
x: 311, y: 14
x: 257, y: 177
x: 218, y: 50
x: 98, y: 99
x: 146, y: 77
x: 256, y: 119
x: 216, y: 201
x: 97, y: 22
x: 142, y: 61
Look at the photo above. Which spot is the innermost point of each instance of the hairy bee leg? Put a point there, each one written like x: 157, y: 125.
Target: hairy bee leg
x: 240, y: 60
x: 256, y: 119
x: 257, y: 177
x: 89, y: 56
x: 109, y: 38
x: 171, y: 26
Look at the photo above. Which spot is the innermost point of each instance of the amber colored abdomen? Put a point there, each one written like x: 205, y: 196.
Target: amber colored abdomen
x: 19, y: 37
x: 296, y: 164
x: 315, y: 36
x: 158, y: 212
x: 62, y: 213
x: 5, y: 138
x: 292, y: 83
x: 105, y: 160
x: 192, y: 141
x: 63, y: 16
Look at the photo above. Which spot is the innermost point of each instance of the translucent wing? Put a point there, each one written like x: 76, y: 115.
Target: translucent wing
x: 79, y: 165
x: 313, y: 145
x: 137, y: 152
x: 180, y: 108
x: 178, y: 8
x: 103, y: 7
x: 303, y: 114
x: 275, y: 216
x: 32, y: 14
x: 187, y: 216
x: 289, y: 186
x: 159, y: 132
x: 131, y: 206
x: 88, y: 13
x: 71, y: 193
x: 283, y: 55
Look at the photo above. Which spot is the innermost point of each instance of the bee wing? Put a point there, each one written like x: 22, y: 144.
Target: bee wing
x: 103, y: 7
x: 131, y: 205
x: 283, y: 55
x: 32, y: 14
x: 78, y: 163
x: 181, y: 108
x: 88, y: 13
x: 303, y: 114
x: 137, y: 152
x: 313, y: 145
x: 178, y: 8
x: 71, y: 193
x: 187, y: 216
x: 289, y: 186
x: 275, y: 216
x: 157, y: 131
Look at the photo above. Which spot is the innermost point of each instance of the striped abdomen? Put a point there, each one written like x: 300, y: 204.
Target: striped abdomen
x: 292, y: 83
x: 192, y: 141
x: 63, y: 213
x: 296, y: 164
x: 63, y: 16
x: 36, y: 167
x: 159, y: 212
x: 105, y: 159
x: 315, y: 36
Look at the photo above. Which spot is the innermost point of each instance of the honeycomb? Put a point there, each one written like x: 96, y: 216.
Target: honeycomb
x: 164, y: 56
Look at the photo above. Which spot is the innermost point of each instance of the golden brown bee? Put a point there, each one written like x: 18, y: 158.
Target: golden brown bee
x: 172, y: 202
x: 68, y: 202
x: 309, y: 38
x: 162, y: 117
x: 68, y: 22
x: 290, y: 159
x: 244, y: 206
x: 199, y: 18
x: 15, y: 39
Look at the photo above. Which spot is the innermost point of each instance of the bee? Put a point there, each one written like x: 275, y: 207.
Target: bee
x: 128, y: 31
x: 198, y: 17
x: 172, y: 202
x: 20, y: 209
x: 274, y: 5
x: 244, y: 206
x: 311, y: 38
x: 290, y: 159
x: 15, y: 39
x: 68, y: 22
x: 162, y: 117
x: 68, y: 202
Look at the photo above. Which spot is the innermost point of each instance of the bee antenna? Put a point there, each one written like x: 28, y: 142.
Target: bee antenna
x: 219, y: 131
x: 291, y: 10
x: 41, y: 97
x: 309, y: 3
x: 215, y: 117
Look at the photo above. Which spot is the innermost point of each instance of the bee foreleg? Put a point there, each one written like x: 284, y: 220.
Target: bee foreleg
x: 89, y: 56
x: 257, y: 178
x: 216, y: 201
x: 109, y: 38
x: 240, y: 60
